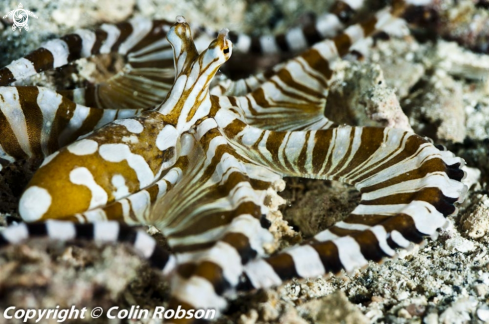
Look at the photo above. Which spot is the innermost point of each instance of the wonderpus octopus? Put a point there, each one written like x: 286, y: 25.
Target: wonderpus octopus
x: 200, y: 159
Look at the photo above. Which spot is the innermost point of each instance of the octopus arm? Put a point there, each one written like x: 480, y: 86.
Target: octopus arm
x: 408, y: 186
x: 216, y: 221
x: 293, y: 95
x: 37, y: 121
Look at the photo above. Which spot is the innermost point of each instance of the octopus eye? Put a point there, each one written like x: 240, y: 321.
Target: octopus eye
x: 226, y: 50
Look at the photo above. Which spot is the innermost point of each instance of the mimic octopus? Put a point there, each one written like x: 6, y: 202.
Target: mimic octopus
x: 165, y: 144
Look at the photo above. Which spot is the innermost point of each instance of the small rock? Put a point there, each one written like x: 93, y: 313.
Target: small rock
x: 403, y: 313
x: 460, y: 62
x: 249, y: 318
x: 292, y: 291
x: 459, y: 244
x: 477, y: 113
x: 360, y: 96
x: 416, y: 309
x: 431, y: 318
x: 268, y: 311
x: 291, y: 316
x: 475, y: 223
x: 335, y: 309
x: 450, y: 316
x: 374, y: 314
x: 435, y: 108
x: 319, y: 208
x: 402, y: 295
x: 382, y: 105
x: 115, y: 11
x: 459, y: 311
x: 282, y: 232
x: 401, y: 61
x: 481, y: 290
x: 377, y: 299
x: 483, y: 313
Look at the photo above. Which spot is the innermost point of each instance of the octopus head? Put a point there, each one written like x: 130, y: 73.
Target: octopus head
x: 180, y: 38
x: 185, y: 52
x: 221, y: 48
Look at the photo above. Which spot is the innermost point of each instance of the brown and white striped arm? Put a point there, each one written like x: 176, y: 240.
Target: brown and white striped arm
x: 124, y: 38
x: 297, y: 39
x: 407, y: 186
x: 217, y: 221
x: 293, y: 97
x: 242, y: 87
x: 137, y: 207
x: 108, y: 232
x: 37, y: 121
x: 109, y: 164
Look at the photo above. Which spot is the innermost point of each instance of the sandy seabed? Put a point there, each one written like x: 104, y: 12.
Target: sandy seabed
x: 437, y: 78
